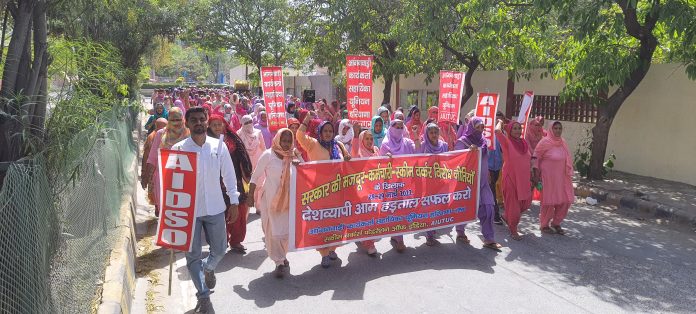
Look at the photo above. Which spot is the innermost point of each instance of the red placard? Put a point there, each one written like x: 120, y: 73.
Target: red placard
x: 486, y: 108
x: 451, y: 90
x: 359, y: 89
x: 177, y: 170
x: 336, y: 202
x: 525, y: 110
x: 274, y: 97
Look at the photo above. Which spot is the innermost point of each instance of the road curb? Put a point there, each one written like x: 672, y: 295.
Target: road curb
x: 119, y: 277
x: 658, y: 210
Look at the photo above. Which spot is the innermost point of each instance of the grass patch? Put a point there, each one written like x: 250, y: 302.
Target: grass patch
x: 147, y: 258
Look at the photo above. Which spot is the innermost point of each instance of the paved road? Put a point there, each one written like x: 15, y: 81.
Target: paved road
x: 608, y: 263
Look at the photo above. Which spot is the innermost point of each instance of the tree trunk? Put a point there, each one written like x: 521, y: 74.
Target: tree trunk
x: 600, y: 139
x: 11, y: 143
x: 258, y: 70
x: 608, y: 111
x: 15, y: 50
x: 388, y: 81
x: 4, y: 29
x: 39, y: 98
x: 468, y: 87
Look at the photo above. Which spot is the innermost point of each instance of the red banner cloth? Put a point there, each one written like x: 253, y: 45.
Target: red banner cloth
x: 451, y: 91
x: 359, y: 89
x: 274, y: 97
x: 336, y: 202
x: 177, y: 172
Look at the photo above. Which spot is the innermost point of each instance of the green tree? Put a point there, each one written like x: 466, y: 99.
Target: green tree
x: 183, y: 59
x: 608, y: 48
x: 474, y: 34
x: 132, y: 26
x: 336, y: 28
x: 255, y: 30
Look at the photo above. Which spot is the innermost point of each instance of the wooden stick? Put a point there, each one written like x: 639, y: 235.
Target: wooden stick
x: 171, y: 262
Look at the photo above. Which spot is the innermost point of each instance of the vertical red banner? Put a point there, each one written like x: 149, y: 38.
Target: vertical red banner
x: 274, y: 97
x: 177, y: 172
x: 451, y: 90
x: 525, y: 110
x: 359, y: 89
x: 486, y: 108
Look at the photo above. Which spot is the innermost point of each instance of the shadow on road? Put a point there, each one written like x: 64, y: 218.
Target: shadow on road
x: 632, y: 264
x: 637, y: 266
x: 348, y: 281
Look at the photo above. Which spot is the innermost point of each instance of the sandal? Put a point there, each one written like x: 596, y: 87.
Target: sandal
x: 493, y: 246
x: 515, y: 236
x: 369, y: 248
x: 400, y: 247
x: 432, y: 242
x: 548, y: 230
x: 462, y: 238
x: 558, y: 230
x: 238, y: 249
x: 279, y: 271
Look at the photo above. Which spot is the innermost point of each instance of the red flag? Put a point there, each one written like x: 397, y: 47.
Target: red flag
x: 359, y: 89
x: 177, y: 219
x: 451, y: 90
x: 274, y: 97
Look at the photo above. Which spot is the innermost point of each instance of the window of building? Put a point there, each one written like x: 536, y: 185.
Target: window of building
x: 431, y: 99
x: 412, y: 98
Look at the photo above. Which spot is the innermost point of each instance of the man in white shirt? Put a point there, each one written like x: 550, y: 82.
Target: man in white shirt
x: 214, y: 161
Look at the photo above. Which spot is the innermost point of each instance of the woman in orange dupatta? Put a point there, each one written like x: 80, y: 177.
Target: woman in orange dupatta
x: 159, y: 124
x: 324, y: 147
x: 174, y: 132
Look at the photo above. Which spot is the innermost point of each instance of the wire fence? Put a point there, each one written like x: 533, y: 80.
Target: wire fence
x: 57, y: 229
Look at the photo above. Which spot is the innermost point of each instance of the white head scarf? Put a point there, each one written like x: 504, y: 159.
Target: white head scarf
x: 345, y: 139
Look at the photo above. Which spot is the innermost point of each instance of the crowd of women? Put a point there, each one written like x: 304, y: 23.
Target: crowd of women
x: 321, y: 131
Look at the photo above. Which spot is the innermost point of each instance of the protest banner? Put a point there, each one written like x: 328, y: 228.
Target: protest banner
x: 451, y: 90
x: 486, y: 108
x: 177, y: 174
x: 525, y: 110
x: 334, y: 202
x: 359, y: 89
x: 274, y: 97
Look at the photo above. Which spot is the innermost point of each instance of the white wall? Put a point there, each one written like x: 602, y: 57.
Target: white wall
x: 653, y: 133
x: 238, y: 73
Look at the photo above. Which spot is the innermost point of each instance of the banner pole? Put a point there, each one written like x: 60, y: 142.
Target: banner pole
x: 171, y: 262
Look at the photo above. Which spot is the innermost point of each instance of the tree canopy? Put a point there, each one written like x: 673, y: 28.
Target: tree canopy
x: 256, y: 31
x: 472, y: 35
x: 608, y: 48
